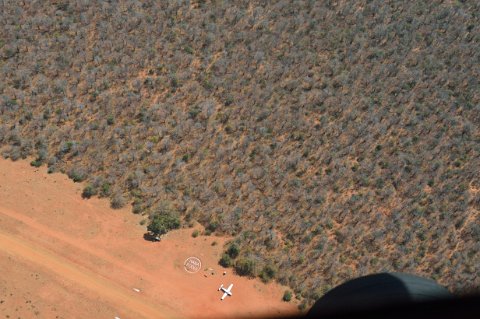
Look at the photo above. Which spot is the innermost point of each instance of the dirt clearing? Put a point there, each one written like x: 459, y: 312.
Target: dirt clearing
x: 65, y: 257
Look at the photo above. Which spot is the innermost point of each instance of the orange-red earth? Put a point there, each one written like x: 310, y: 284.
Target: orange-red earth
x: 62, y: 256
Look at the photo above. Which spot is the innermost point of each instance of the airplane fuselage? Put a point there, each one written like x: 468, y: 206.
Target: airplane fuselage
x: 226, y: 291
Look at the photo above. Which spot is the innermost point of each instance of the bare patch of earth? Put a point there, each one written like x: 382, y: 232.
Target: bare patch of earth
x: 65, y: 257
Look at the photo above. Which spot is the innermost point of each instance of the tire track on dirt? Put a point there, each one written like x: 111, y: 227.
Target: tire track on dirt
x: 102, y: 287
x: 96, y: 253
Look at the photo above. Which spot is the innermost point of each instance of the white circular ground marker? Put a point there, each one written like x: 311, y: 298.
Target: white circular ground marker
x: 192, y: 265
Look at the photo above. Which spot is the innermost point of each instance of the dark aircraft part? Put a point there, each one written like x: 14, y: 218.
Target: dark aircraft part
x: 378, y: 290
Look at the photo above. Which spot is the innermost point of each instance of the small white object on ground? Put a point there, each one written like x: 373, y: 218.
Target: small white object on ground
x: 117, y: 317
x: 136, y: 290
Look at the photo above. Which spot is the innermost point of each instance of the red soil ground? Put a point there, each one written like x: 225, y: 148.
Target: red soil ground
x: 65, y: 257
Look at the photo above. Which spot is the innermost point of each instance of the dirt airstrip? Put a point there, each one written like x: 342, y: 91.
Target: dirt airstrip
x: 65, y: 257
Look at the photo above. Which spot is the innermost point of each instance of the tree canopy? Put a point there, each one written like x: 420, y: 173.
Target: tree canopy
x: 163, y: 223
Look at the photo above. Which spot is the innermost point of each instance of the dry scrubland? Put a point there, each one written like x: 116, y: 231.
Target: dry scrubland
x: 331, y: 139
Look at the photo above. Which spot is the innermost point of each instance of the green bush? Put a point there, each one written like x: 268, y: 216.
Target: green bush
x: 194, y: 112
x: 212, y: 226
x: 302, y: 306
x: 233, y: 251
x: 117, y: 201
x: 163, y: 223
x: 225, y: 261
x: 77, y: 175
x: 105, y: 190
x: 188, y: 49
x: 36, y: 163
x: 287, y: 296
x: 137, y: 206
x: 245, y: 267
x: 268, y: 273
x: 195, y: 233
x: 66, y: 147
x: 88, y: 191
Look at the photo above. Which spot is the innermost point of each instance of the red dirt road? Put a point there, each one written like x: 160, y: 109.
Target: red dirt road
x: 90, y: 280
x: 65, y: 257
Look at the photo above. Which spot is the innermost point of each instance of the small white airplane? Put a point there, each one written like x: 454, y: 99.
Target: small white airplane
x: 227, y: 291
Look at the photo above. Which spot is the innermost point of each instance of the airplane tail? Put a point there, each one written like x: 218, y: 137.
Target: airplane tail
x: 221, y: 286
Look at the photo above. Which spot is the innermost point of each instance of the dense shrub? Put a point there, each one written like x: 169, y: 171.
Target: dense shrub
x: 211, y: 227
x: 268, y: 273
x: 77, y: 175
x: 105, y: 190
x: 245, y: 267
x: 287, y: 296
x: 137, y: 207
x: 226, y: 260
x: 233, y: 250
x: 36, y: 163
x: 162, y: 223
x: 117, y: 201
x: 88, y: 191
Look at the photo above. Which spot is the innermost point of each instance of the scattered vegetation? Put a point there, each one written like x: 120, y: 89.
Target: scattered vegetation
x: 330, y: 139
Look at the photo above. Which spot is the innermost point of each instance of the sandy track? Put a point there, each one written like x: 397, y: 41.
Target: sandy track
x: 79, y: 247
x: 97, y: 284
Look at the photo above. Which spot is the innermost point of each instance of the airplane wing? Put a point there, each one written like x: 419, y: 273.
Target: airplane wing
x: 227, y: 291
